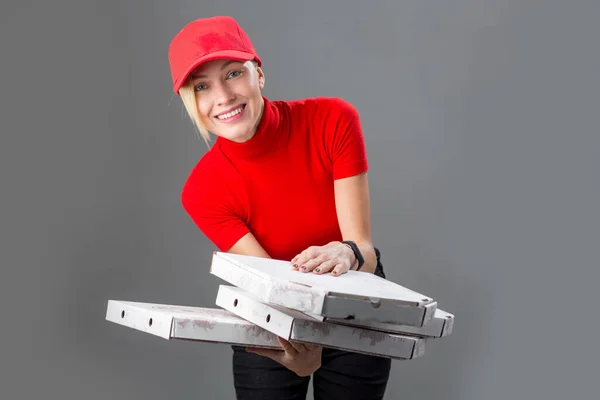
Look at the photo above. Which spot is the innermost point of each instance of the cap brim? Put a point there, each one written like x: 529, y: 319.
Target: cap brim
x: 217, y: 55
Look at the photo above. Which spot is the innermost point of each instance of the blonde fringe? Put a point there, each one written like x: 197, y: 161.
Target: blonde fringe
x: 188, y: 96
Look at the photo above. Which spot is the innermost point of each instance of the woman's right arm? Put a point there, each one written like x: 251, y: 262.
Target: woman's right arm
x: 303, y: 359
x: 211, y: 203
x: 248, y: 246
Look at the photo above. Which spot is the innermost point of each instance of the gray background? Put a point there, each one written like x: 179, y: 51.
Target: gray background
x: 482, y: 128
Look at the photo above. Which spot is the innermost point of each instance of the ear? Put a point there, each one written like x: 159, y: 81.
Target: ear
x: 261, y: 77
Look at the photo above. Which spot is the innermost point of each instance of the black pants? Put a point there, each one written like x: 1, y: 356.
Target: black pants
x: 343, y: 375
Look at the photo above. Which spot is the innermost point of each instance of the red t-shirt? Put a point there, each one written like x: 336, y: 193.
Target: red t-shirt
x: 279, y: 184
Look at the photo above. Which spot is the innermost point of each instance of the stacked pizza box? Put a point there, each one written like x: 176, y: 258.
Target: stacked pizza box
x: 265, y: 298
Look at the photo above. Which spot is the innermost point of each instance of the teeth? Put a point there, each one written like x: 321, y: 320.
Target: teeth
x: 230, y: 114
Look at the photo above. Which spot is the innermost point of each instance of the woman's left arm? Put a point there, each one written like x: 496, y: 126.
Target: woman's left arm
x: 354, y: 216
x: 353, y: 211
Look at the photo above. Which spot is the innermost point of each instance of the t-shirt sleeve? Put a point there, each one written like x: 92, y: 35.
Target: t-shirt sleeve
x: 344, y: 140
x: 212, y: 207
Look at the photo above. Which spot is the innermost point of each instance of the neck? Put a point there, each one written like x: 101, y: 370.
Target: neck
x: 252, y: 131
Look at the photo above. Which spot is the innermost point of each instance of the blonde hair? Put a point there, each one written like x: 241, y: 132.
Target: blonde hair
x: 188, y: 96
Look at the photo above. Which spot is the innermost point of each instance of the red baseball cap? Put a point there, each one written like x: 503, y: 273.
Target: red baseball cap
x: 207, y: 39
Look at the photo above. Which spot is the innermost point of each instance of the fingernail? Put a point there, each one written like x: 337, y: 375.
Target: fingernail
x: 304, y: 267
x: 318, y: 269
x: 295, y: 265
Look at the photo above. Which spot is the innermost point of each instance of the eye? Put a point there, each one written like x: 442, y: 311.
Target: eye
x: 199, y: 87
x: 233, y: 74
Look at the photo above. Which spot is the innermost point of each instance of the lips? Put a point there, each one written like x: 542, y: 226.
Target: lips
x: 232, y: 112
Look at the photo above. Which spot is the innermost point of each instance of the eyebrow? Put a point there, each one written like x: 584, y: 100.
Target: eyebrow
x: 222, y: 68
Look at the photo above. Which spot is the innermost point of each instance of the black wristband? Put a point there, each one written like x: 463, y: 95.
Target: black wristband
x: 357, y: 253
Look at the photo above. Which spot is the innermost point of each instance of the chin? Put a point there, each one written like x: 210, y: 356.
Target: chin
x: 235, y: 135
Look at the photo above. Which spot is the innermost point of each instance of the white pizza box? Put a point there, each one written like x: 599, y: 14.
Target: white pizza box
x: 200, y: 324
x: 439, y: 326
x: 296, y: 326
x: 190, y: 323
x: 355, y: 294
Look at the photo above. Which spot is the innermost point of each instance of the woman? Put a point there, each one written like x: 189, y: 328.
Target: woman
x: 286, y: 180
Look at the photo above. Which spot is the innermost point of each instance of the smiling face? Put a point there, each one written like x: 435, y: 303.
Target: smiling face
x: 228, y: 97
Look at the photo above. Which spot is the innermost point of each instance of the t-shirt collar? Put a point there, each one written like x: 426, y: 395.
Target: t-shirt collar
x: 262, y: 139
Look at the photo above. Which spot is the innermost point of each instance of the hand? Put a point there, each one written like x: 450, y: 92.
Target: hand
x: 334, y: 257
x: 301, y: 358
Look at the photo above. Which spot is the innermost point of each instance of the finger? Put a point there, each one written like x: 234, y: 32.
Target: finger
x: 251, y: 349
x: 293, y: 261
x: 306, y: 255
x: 287, y: 346
x: 299, y: 347
x: 325, y: 266
x: 312, y: 347
x: 296, y: 258
x: 275, y: 355
x: 313, y: 263
x: 339, y: 269
x: 302, y: 263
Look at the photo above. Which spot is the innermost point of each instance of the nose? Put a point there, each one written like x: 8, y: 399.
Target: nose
x: 224, y: 94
